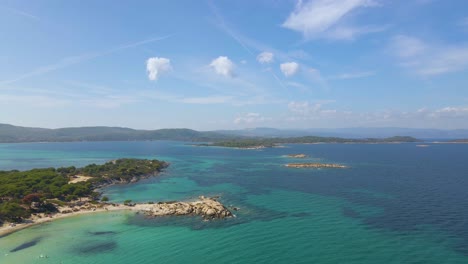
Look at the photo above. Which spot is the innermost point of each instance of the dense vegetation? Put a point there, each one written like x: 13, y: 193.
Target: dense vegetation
x: 38, y: 190
x: 271, y: 142
x: 12, y: 134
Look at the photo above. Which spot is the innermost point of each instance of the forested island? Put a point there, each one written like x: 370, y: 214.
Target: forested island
x: 256, y: 143
x: 23, y: 193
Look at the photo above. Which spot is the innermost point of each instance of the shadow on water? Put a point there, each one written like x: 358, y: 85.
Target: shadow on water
x: 28, y: 244
x: 351, y: 213
x: 96, y: 247
x: 301, y: 215
x: 102, y: 233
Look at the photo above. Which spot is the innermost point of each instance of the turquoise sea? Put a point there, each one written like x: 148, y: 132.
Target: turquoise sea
x: 397, y: 203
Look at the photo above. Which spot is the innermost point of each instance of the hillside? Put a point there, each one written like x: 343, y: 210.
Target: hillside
x: 12, y: 134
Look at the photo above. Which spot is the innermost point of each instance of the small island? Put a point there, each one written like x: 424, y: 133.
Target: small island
x: 297, y: 156
x: 40, y: 195
x: 316, y: 165
x: 459, y: 141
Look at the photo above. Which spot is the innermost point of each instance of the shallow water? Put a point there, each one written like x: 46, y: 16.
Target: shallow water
x: 397, y: 203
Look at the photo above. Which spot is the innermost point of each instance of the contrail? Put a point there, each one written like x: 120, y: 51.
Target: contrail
x: 73, y: 60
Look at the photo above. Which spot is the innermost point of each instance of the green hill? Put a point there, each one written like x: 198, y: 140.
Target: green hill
x: 11, y: 134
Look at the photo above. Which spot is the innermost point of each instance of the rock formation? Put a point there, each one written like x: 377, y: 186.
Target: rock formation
x: 208, y: 208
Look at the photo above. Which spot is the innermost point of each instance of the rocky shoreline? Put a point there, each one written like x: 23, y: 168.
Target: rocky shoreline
x: 206, y: 207
x: 316, y: 165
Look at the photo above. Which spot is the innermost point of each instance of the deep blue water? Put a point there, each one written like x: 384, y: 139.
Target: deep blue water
x: 397, y: 203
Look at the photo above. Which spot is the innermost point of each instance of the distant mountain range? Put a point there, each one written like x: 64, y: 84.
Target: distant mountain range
x: 10, y: 133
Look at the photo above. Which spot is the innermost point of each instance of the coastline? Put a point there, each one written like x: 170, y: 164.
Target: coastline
x: 6, y: 229
x: 206, y: 207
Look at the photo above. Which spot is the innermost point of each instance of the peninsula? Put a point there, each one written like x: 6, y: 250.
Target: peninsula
x: 40, y: 195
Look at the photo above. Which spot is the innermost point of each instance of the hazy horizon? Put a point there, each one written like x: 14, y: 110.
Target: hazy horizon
x: 235, y: 64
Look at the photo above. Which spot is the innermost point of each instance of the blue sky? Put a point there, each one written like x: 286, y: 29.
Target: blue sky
x: 234, y: 64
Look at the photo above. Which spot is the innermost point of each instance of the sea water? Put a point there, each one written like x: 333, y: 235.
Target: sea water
x: 396, y: 203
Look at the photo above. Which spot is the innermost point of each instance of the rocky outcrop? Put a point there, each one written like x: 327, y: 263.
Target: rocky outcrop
x: 208, y: 208
x: 315, y: 165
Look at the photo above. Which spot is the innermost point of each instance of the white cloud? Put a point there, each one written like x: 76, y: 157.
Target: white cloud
x: 289, y: 68
x: 428, y: 59
x: 155, y: 67
x: 251, y: 118
x: 326, y: 18
x: 223, y: 66
x: 265, y: 57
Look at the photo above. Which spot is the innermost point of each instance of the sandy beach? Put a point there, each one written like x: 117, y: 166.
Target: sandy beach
x: 7, y: 229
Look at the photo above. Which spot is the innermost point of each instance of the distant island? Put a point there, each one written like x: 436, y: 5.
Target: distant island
x: 316, y: 165
x: 458, y: 141
x: 37, y: 195
x: 297, y: 156
x: 223, y: 138
x: 257, y: 143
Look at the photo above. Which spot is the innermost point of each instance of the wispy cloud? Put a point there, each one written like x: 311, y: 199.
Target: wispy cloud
x: 252, y: 44
x: 352, y: 75
x: 216, y: 99
x: 20, y: 12
x: 300, y: 86
x: 428, y: 59
x: 40, y: 101
x: 73, y: 60
x: 222, y: 24
x: 251, y: 118
x: 327, y: 19
x: 110, y: 101
x: 306, y: 114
